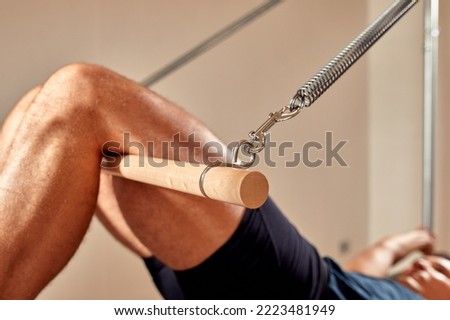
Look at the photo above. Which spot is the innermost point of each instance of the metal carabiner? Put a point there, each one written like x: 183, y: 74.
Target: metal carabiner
x: 273, y: 118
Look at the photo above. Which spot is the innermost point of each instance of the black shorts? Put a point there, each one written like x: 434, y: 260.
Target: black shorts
x: 265, y: 258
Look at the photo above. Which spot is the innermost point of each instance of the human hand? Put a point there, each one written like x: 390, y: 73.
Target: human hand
x: 429, y: 276
x: 403, y: 244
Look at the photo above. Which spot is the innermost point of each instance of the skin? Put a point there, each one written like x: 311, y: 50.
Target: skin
x: 429, y: 276
x: 377, y: 260
x: 60, y: 140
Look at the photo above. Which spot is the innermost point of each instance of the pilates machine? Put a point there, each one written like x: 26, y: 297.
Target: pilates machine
x: 233, y: 182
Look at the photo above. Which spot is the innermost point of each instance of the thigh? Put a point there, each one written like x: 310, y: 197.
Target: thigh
x: 14, y: 119
x: 180, y: 229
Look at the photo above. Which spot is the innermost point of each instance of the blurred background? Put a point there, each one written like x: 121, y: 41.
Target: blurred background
x: 376, y: 107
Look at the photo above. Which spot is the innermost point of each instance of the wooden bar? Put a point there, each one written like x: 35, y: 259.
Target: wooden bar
x: 238, y: 186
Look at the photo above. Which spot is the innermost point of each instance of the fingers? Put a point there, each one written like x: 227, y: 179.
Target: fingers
x: 429, y: 277
x: 426, y: 241
x: 419, y: 275
x: 401, y: 245
x: 410, y: 283
x: 440, y: 264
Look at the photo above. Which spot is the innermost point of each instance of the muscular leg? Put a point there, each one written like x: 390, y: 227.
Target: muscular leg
x: 14, y: 119
x: 50, y: 177
x: 110, y: 214
x: 108, y: 210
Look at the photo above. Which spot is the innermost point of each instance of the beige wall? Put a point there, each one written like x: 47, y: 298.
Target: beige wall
x: 232, y: 88
x: 395, y: 125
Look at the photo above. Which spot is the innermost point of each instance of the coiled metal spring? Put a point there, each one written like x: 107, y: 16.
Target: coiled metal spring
x: 320, y: 82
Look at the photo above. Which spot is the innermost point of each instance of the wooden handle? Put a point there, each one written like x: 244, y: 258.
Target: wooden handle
x: 238, y: 186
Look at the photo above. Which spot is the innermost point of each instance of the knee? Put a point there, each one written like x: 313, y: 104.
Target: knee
x: 78, y: 73
x: 67, y: 104
x: 76, y: 83
x: 72, y: 93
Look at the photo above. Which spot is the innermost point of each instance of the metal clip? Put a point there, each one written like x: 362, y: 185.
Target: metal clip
x: 257, y: 141
x: 262, y: 130
x: 258, y: 137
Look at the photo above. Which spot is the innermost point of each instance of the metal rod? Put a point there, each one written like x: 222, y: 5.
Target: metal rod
x: 209, y: 43
x: 431, y: 24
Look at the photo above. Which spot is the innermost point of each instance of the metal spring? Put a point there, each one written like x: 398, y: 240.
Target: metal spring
x: 320, y: 82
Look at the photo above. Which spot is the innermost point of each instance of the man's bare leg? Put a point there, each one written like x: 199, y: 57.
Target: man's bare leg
x: 111, y: 216
x: 50, y: 178
x: 108, y: 210
x: 14, y: 119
